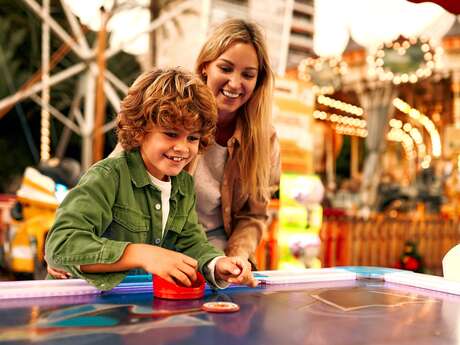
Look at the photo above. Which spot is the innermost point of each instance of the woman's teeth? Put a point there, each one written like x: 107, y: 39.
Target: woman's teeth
x: 230, y: 94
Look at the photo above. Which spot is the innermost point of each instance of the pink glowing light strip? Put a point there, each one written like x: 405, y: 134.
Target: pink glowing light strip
x: 46, y: 288
x: 304, y: 276
x: 424, y: 281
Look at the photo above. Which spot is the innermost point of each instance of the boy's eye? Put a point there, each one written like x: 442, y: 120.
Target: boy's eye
x: 171, y: 134
x: 193, y: 137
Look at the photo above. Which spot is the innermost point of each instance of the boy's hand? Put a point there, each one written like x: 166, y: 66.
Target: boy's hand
x: 57, y: 273
x: 236, y: 270
x: 170, y: 265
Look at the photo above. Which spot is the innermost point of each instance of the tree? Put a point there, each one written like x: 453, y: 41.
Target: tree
x: 19, y: 59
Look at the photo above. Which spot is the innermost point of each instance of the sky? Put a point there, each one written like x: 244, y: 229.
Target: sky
x: 370, y: 22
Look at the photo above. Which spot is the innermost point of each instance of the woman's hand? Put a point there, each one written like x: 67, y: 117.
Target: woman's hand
x: 236, y: 270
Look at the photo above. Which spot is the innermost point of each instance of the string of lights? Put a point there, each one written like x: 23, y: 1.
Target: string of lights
x: 425, y: 121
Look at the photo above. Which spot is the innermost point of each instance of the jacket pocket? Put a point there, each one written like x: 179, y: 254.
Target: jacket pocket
x: 177, y: 224
x: 173, y: 232
x: 128, y: 225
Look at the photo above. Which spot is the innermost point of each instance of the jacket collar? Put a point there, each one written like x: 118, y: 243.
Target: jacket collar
x: 137, y: 169
x: 236, y: 137
x: 139, y: 174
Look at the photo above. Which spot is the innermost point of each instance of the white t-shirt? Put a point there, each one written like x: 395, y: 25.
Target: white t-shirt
x: 165, y: 189
x: 208, y: 180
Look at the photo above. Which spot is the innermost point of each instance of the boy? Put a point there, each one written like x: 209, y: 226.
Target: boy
x: 137, y: 210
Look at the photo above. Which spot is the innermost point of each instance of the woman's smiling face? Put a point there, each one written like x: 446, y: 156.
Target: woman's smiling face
x: 232, y: 77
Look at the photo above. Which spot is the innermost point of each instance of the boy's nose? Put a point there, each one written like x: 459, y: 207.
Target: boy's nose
x: 180, y: 147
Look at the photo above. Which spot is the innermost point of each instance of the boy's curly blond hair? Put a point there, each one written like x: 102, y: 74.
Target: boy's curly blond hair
x: 171, y: 98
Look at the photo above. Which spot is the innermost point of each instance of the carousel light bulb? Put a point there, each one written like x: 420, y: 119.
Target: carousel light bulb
x: 407, y: 127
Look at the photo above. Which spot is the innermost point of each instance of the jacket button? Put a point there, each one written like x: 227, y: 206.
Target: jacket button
x: 157, y: 241
x: 157, y: 206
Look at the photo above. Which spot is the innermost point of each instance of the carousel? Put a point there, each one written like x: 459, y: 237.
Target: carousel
x: 392, y: 114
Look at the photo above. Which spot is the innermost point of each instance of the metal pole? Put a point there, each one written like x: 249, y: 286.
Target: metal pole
x: 57, y: 114
x: 87, y: 134
x: 76, y: 28
x: 55, y: 79
x: 153, y: 25
x: 98, y: 135
x: 56, y: 28
x: 354, y: 155
x: 66, y: 134
x: 45, y: 115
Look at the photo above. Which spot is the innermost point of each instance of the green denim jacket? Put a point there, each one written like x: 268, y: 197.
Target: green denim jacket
x: 115, y: 204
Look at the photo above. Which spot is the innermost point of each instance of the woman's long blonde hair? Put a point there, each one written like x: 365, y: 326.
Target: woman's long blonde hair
x: 254, y: 155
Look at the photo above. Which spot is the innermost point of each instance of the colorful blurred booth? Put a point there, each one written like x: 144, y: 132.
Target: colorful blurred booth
x: 32, y: 215
x: 292, y: 241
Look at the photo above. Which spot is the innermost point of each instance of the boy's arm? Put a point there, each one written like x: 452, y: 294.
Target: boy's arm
x: 76, y: 236
x: 169, y: 265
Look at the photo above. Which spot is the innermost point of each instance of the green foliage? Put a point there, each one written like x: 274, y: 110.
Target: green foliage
x: 15, y: 154
x: 20, y: 58
x: 15, y: 31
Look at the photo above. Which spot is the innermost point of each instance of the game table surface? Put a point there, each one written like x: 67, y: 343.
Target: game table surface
x: 350, y: 311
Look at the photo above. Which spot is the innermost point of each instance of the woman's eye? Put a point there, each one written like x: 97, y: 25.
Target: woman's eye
x: 248, y: 76
x: 225, y: 69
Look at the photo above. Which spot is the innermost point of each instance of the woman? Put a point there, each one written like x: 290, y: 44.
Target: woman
x: 236, y: 177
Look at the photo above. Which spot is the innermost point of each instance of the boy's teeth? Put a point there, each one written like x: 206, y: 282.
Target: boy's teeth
x: 177, y: 159
x: 229, y: 94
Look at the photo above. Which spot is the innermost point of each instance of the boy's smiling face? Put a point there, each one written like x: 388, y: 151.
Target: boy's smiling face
x: 166, y: 151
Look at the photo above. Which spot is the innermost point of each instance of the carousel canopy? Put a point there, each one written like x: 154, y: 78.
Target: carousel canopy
x: 453, y: 6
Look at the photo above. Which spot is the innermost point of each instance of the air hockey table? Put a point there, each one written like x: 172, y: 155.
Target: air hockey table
x: 347, y: 305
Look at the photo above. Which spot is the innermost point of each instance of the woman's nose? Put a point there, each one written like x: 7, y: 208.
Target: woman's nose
x: 234, y: 80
